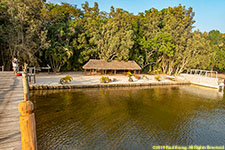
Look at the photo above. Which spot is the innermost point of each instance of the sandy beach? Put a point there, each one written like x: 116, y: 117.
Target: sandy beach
x: 80, y: 79
x: 51, y: 81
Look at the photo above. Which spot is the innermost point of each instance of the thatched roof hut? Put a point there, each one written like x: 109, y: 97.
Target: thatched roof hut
x: 114, y: 65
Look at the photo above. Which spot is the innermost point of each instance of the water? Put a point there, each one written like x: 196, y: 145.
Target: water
x: 129, y: 118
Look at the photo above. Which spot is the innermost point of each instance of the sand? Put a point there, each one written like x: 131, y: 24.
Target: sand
x: 80, y: 79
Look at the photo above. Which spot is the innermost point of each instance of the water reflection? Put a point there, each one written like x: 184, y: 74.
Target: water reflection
x: 203, y: 92
x: 128, y: 118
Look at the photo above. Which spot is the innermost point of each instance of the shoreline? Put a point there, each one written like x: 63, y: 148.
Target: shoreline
x: 103, y: 85
x: 51, y: 81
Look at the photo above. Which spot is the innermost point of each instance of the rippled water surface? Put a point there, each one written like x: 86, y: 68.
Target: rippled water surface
x: 128, y: 118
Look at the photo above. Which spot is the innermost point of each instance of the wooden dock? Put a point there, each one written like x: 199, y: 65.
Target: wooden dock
x: 11, y: 94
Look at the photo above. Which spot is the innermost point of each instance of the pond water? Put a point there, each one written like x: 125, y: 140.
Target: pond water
x: 129, y: 118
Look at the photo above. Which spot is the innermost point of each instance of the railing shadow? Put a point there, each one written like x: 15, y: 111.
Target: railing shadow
x: 9, y: 136
x: 3, y: 94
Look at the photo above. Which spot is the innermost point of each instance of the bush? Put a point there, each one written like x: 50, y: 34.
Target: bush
x: 137, y: 76
x: 108, y: 79
x: 130, y: 80
x: 66, y: 80
x: 158, y: 77
x: 129, y: 74
x: 156, y: 71
x: 145, y: 77
x: 104, y: 79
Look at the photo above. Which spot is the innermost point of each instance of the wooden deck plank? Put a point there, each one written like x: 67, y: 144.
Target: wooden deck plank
x: 11, y: 94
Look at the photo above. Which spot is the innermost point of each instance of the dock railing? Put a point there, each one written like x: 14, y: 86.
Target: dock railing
x: 202, y: 77
x: 27, y: 118
x: 199, y: 72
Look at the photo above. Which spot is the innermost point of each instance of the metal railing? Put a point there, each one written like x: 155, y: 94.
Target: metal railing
x: 202, y: 72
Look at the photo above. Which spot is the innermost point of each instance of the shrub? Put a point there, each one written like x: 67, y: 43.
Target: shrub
x: 108, y: 79
x: 144, y: 77
x: 157, y: 77
x: 137, y: 76
x: 66, y: 80
x: 130, y: 79
x: 104, y: 79
x: 129, y: 74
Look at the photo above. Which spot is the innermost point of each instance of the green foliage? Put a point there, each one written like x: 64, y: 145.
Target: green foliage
x: 66, y: 79
x: 129, y: 74
x: 23, y: 33
x: 115, y: 37
x: 105, y: 79
x: 61, y: 33
x: 108, y: 79
x: 217, y: 50
x: 156, y: 71
x: 145, y: 77
x: 66, y: 37
x: 158, y: 78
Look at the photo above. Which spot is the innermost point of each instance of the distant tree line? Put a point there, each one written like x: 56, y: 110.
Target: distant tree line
x: 66, y: 37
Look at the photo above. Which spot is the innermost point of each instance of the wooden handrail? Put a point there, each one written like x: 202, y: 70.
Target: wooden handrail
x: 27, y: 118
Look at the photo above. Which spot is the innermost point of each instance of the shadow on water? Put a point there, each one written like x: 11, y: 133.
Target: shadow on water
x: 128, y: 118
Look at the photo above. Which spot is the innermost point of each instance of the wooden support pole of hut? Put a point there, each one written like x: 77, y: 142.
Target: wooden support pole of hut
x: 27, y: 119
x: 139, y: 72
x: 134, y: 72
x: 85, y: 72
x: 114, y: 72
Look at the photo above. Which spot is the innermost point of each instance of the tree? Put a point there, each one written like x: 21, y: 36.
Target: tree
x: 115, y: 38
x: 90, y: 24
x: 25, y: 35
x: 197, y: 53
x: 58, y: 20
x: 149, y: 29
x: 177, y: 22
x: 66, y: 37
x: 4, y: 21
x: 217, y: 48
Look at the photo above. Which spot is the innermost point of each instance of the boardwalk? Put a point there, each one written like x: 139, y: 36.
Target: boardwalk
x: 11, y: 93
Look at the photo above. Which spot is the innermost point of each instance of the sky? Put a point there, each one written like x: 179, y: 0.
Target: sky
x: 209, y: 14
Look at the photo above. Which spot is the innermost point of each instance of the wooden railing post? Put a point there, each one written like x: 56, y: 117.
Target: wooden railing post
x: 26, y: 87
x: 27, y: 119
